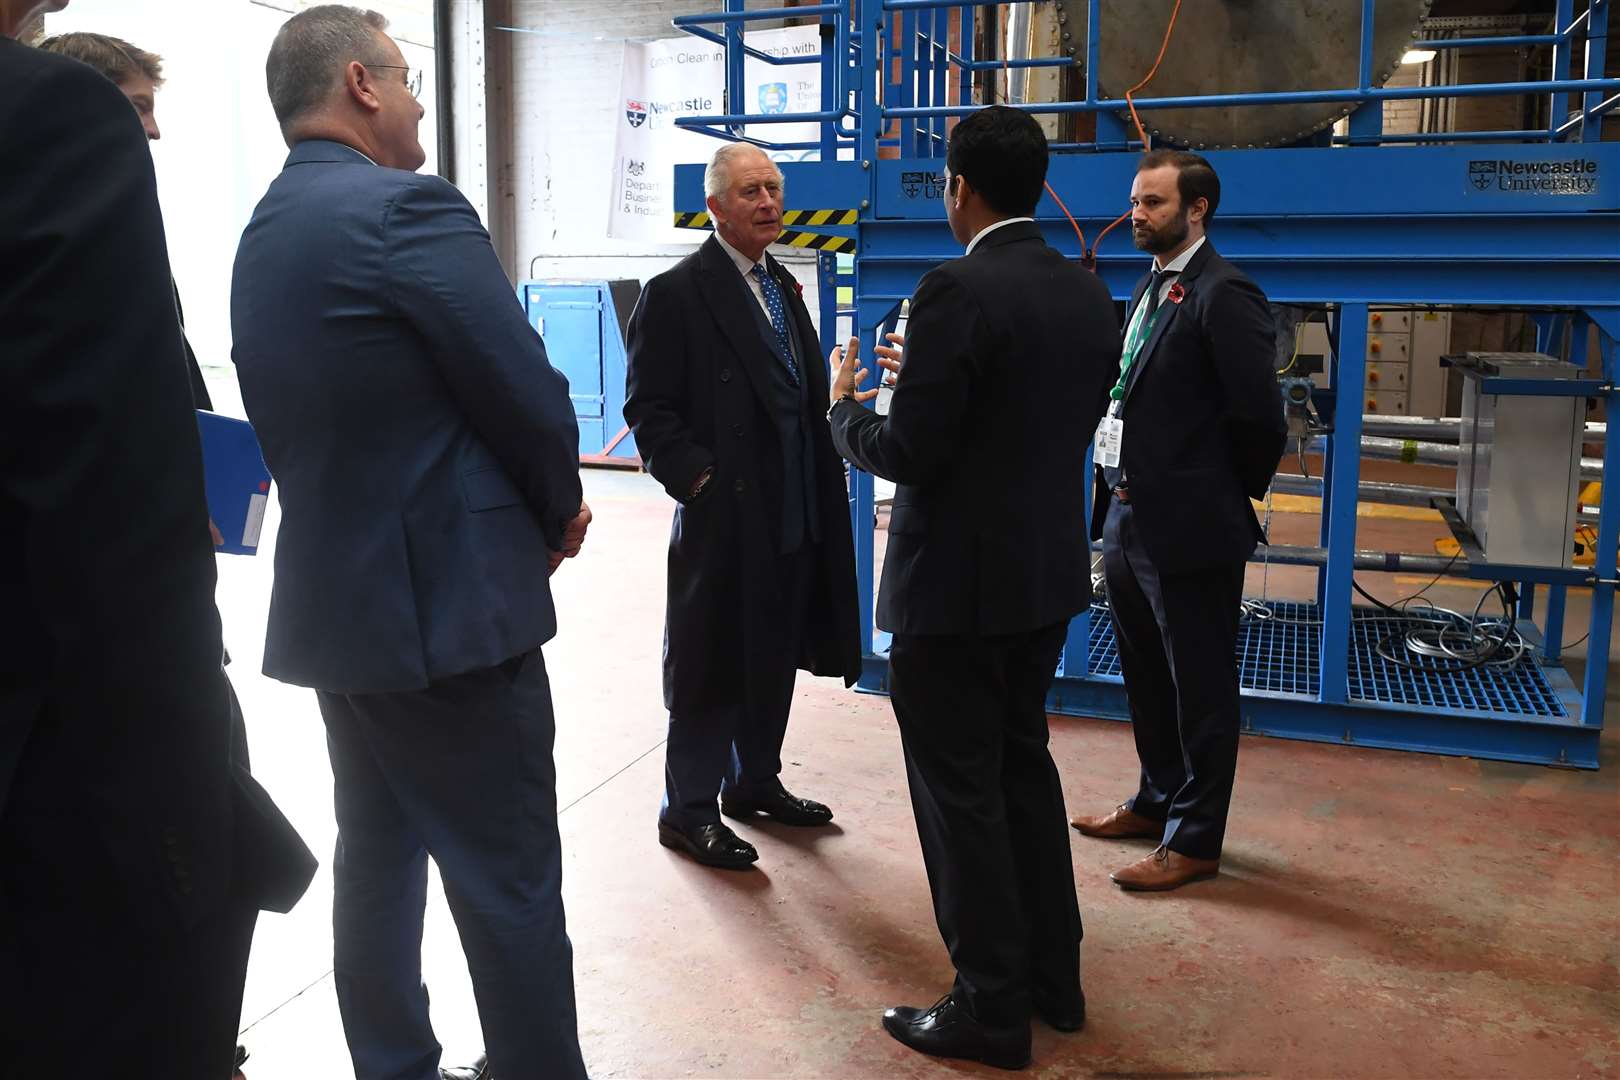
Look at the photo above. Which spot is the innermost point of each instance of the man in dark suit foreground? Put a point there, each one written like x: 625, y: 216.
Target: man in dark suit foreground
x: 427, y: 459
x: 1009, y: 351
x: 1196, y: 432
x: 128, y: 878
x: 723, y: 391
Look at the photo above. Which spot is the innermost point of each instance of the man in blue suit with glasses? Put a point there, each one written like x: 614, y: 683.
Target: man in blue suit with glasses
x: 427, y: 458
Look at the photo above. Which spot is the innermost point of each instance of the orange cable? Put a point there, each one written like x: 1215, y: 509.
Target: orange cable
x: 1006, y: 74
x: 1050, y: 190
x: 1090, y: 258
x: 1164, y: 47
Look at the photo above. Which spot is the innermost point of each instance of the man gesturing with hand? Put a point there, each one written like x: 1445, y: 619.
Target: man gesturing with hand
x: 1007, y: 356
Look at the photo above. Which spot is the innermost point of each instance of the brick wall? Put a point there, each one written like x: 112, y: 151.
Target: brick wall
x: 1402, y: 117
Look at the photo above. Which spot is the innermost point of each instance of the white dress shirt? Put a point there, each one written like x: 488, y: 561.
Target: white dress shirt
x: 745, y: 267
x: 1176, y: 266
x: 988, y: 229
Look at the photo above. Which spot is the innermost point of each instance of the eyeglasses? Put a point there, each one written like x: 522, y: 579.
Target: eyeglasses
x: 413, y: 76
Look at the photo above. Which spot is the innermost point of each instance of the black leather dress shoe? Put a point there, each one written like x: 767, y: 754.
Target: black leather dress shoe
x: 1062, y: 1013
x: 711, y: 845
x: 777, y: 805
x: 478, y: 1070
x: 946, y: 1030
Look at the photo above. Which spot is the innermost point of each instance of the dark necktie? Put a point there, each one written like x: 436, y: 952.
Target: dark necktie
x: 1151, y: 297
x: 773, y: 303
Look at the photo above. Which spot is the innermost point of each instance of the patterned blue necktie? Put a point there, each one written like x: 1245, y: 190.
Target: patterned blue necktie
x: 773, y: 302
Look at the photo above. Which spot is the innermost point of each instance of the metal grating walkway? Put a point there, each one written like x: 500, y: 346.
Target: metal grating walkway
x: 1280, y: 655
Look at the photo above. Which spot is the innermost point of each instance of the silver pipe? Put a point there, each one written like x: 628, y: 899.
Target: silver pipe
x: 1368, y: 490
x: 1376, y: 491
x: 1430, y: 453
x: 1383, y: 561
x: 1019, y: 44
x: 1446, y: 429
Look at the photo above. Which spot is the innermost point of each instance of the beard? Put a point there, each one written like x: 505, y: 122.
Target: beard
x: 1158, y: 241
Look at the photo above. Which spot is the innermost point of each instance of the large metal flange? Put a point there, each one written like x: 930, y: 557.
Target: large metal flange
x: 1243, y: 46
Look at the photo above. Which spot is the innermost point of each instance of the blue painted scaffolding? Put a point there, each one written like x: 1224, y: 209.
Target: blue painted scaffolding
x: 1349, y: 221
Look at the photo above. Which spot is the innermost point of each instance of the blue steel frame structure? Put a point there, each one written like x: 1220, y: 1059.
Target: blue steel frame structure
x: 1351, y: 221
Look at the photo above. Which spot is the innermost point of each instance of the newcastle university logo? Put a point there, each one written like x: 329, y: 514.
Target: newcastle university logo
x: 635, y: 112
x: 773, y: 98
x: 1534, y: 176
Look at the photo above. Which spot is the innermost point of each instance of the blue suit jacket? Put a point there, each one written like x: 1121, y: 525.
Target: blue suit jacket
x: 425, y: 450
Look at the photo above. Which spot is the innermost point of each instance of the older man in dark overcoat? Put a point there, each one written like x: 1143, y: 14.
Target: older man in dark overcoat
x: 725, y: 393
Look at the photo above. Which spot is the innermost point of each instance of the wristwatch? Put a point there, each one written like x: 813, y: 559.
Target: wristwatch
x: 840, y: 401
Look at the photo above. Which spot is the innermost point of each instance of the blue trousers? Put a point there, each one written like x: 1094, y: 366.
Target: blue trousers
x: 462, y: 772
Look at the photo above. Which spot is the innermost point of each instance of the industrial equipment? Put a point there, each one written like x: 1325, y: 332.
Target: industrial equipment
x: 1519, y: 460
x: 1267, y: 48
x: 1341, y: 216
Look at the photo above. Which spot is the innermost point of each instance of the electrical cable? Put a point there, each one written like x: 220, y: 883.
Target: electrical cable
x: 1141, y: 132
x: 1006, y: 93
x: 1448, y: 641
x: 1088, y: 255
x: 1164, y: 46
x: 1050, y: 190
x: 1292, y: 360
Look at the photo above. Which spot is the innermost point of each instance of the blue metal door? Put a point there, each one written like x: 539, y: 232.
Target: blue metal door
x: 569, y: 319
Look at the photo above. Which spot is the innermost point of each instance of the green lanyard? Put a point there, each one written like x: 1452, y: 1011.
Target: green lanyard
x: 1141, y: 330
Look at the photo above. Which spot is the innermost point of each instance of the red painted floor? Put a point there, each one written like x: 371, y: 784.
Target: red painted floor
x: 1379, y: 914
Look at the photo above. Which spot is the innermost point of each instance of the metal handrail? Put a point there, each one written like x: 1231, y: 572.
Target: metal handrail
x: 846, y: 119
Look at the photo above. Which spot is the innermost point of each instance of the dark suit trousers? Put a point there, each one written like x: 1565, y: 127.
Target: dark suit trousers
x: 461, y: 771
x: 86, y: 986
x: 1177, y: 638
x: 735, y: 743
x: 989, y: 809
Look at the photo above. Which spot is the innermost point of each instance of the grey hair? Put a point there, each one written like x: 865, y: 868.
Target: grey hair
x: 311, y: 50
x: 717, y: 177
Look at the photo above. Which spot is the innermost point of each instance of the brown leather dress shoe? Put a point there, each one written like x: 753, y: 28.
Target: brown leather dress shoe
x: 1163, y: 870
x: 1120, y: 824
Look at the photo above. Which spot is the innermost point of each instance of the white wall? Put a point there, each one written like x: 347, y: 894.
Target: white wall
x: 565, y: 110
x: 220, y: 147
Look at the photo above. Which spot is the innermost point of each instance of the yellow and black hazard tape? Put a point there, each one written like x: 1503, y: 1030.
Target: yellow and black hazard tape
x: 806, y: 218
x: 799, y: 238
x: 816, y: 241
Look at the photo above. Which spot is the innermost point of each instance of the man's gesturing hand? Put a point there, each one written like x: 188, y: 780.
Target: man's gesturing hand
x: 846, y: 376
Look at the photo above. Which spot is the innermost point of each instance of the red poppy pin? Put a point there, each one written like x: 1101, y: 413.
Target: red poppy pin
x: 1177, y: 294
x: 798, y: 288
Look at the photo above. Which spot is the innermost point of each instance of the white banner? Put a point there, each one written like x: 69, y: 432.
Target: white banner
x: 664, y: 80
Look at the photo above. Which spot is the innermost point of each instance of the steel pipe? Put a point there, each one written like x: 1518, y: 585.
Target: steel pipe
x: 1373, y: 491
x: 1447, y: 429
x: 1434, y: 453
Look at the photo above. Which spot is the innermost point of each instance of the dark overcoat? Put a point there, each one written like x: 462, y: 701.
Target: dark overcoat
x: 695, y: 399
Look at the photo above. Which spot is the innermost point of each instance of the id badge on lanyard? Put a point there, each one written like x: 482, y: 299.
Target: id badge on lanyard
x: 1109, y: 438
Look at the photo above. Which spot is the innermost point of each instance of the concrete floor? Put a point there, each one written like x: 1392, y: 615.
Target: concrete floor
x: 1379, y: 914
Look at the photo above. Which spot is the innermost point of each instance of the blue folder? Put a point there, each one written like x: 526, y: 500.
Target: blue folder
x: 236, y: 480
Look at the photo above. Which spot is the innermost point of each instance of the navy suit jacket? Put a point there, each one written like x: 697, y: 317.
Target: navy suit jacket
x: 1009, y: 353
x: 1204, y: 426
x: 424, y: 448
